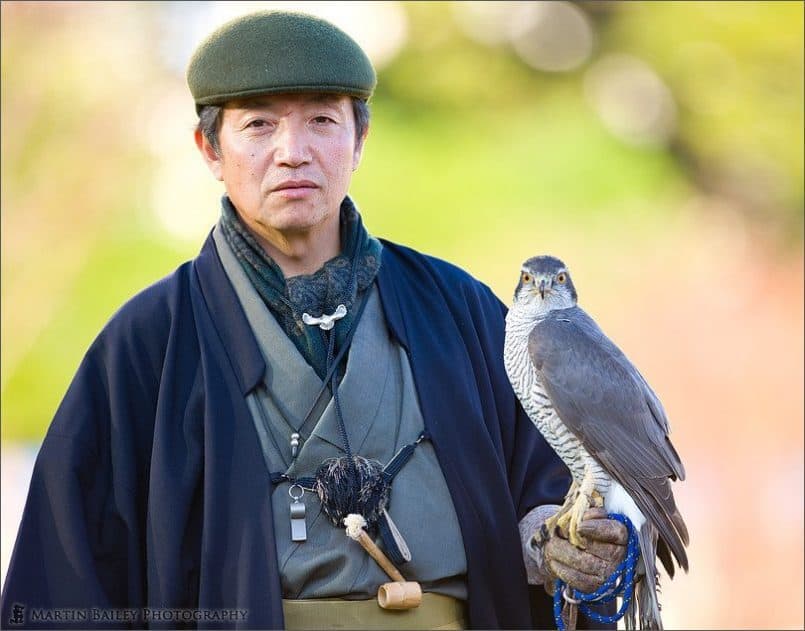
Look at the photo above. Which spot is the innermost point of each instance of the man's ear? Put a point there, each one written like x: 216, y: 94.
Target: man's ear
x: 356, y: 155
x: 210, y: 155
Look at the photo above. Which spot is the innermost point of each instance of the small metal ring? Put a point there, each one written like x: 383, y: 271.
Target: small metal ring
x: 301, y: 491
x: 568, y: 598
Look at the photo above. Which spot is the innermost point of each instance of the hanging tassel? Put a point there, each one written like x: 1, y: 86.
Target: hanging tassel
x: 393, y: 541
x: 342, y: 493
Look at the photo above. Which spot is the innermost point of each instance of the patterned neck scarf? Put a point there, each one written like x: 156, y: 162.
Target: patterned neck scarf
x: 315, y: 294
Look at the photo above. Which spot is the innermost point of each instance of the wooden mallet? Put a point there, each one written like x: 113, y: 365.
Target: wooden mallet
x: 400, y: 594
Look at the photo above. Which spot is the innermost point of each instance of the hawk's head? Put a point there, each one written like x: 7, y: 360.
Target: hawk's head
x: 545, y: 285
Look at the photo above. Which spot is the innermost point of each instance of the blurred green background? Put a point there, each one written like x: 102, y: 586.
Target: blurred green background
x: 657, y: 147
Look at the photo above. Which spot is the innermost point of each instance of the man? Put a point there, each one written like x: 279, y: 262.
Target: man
x: 176, y: 480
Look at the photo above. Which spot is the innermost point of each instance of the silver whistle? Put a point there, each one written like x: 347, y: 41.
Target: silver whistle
x: 298, y: 526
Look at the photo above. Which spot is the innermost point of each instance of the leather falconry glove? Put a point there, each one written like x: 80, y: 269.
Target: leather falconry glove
x: 584, y: 570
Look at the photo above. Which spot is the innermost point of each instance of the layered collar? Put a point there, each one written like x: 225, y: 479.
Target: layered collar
x: 338, y: 282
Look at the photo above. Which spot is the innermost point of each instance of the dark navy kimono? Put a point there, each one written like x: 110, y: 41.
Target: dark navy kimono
x: 150, y: 489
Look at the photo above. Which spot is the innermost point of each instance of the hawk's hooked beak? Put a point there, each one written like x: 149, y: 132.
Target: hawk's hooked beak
x: 542, y: 288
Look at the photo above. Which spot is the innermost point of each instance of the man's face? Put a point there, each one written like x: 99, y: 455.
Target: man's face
x: 286, y: 161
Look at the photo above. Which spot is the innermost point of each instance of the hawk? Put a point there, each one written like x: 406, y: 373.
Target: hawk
x: 603, y: 420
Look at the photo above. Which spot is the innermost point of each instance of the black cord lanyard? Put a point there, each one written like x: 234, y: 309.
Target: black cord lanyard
x: 311, y: 483
x: 297, y: 508
x: 330, y: 377
x: 308, y: 483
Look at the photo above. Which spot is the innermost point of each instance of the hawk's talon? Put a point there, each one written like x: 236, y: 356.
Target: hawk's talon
x: 585, y: 498
x: 541, y: 536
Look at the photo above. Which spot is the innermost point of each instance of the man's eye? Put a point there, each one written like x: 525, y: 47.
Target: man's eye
x: 257, y: 124
x: 323, y: 120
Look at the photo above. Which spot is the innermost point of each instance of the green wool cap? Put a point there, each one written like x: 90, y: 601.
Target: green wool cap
x: 271, y: 52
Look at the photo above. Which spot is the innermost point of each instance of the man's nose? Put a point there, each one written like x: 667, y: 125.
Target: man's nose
x: 293, y: 146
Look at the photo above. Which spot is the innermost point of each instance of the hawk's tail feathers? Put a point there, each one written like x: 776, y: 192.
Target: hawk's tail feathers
x: 654, y: 497
x: 680, y: 526
x: 645, y: 605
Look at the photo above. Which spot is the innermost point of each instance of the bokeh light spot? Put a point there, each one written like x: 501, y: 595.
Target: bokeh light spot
x: 631, y: 99
x: 552, y: 36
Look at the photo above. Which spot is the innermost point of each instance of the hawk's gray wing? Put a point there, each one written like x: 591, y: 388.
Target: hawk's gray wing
x: 607, y: 404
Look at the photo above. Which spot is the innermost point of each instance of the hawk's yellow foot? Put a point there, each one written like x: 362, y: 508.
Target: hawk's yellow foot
x: 571, y: 520
x: 553, y: 521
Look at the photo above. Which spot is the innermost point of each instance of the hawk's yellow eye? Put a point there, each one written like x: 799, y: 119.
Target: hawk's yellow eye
x: 526, y: 277
x: 561, y: 277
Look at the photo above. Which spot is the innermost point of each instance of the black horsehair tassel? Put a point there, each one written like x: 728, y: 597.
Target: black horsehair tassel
x: 342, y: 494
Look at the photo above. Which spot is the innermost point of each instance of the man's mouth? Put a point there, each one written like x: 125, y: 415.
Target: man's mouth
x: 295, y: 189
x: 294, y: 184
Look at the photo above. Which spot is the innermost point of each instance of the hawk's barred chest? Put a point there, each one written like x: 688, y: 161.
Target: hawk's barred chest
x: 537, y: 404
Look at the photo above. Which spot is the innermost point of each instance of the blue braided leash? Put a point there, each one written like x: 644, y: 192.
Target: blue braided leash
x: 620, y: 583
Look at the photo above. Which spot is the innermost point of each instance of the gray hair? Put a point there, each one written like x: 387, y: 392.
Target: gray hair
x: 209, y: 121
